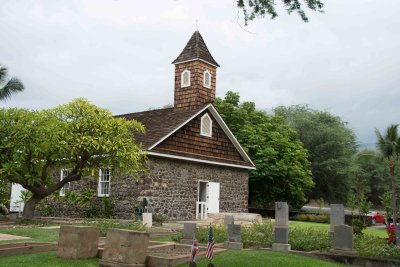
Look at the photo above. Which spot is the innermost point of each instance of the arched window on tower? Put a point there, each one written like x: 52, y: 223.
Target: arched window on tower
x: 185, y: 78
x: 207, y: 79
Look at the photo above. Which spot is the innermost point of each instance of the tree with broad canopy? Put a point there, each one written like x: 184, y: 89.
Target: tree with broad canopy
x: 79, y: 136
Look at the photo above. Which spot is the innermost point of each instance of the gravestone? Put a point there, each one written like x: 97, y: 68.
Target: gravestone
x: 147, y: 219
x: 234, y: 237
x: 228, y: 219
x: 343, y: 238
x: 336, y: 216
x: 125, y: 248
x: 78, y: 242
x: 189, y: 233
x: 281, y: 241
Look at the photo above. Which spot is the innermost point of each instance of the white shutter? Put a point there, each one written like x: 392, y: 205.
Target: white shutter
x: 206, y: 126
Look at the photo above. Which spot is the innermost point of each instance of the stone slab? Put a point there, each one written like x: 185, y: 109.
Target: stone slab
x: 234, y: 233
x: 147, y: 219
x: 189, y: 230
x: 343, y: 237
x: 125, y: 248
x: 280, y: 247
x: 281, y: 214
x: 229, y: 219
x: 233, y: 245
x: 282, y: 235
x: 78, y: 242
x: 336, y: 215
x: 14, y: 249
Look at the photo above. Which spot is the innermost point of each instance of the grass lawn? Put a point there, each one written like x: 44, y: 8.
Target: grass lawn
x: 35, y: 233
x: 259, y: 258
x: 373, y: 231
x: 248, y: 258
x: 45, y: 259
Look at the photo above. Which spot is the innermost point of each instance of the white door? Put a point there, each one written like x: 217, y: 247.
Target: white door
x: 213, y: 197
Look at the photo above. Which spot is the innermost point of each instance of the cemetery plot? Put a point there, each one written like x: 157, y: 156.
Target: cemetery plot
x: 25, y: 248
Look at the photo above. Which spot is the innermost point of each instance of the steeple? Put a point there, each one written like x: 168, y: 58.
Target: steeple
x: 196, y: 48
x: 195, y: 75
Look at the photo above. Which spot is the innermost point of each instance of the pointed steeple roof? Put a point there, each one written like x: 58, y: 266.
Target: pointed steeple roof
x: 196, y: 48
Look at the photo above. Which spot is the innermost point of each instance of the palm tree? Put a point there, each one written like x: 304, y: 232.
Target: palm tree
x: 389, y: 146
x: 7, y: 88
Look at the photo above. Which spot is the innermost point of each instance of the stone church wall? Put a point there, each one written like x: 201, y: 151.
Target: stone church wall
x: 170, y: 188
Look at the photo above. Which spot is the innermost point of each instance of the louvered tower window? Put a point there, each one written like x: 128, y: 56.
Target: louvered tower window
x: 207, y: 79
x: 206, y: 126
x: 65, y: 189
x: 185, y: 78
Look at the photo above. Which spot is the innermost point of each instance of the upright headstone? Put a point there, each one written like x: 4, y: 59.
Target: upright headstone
x: 281, y: 242
x: 228, y: 219
x: 336, y: 216
x: 234, y: 237
x: 147, y: 219
x: 78, y: 242
x: 125, y: 248
x: 189, y: 233
x: 343, y: 238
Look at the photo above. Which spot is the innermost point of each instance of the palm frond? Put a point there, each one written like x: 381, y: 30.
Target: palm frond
x: 12, y: 86
x: 388, y: 144
x: 3, y: 74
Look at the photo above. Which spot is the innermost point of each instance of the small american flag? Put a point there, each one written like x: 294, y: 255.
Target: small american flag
x: 210, y: 245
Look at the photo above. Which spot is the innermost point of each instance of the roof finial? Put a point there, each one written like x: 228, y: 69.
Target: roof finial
x: 197, y: 25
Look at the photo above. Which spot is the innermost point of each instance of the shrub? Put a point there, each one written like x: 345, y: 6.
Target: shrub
x: 177, y: 238
x: 45, y: 209
x: 220, y: 234
x: 375, y: 247
x: 318, y: 218
x: 358, y: 226
x: 308, y: 238
x: 159, y: 218
x: 107, y: 210
x: 258, y: 235
x: 3, y: 210
x: 104, y: 225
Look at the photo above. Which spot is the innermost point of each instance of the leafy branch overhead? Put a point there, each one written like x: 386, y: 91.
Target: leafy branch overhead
x: 260, y: 8
x: 8, y: 86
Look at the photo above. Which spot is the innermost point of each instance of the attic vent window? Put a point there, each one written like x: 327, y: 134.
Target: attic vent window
x: 206, y: 126
x: 207, y: 79
x: 185, y: 78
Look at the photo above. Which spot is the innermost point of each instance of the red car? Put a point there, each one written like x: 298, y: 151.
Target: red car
x: 376, y: 217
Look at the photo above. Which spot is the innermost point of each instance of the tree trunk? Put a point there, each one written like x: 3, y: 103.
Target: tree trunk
x: 394, y: 200
x: 30, y: 206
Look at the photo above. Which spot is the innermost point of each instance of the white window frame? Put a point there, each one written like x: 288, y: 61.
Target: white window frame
x: 209, y: 80
x: 202, y: 132
x: 182, y: 80
x: 67, y: 187
x: 102, y: 182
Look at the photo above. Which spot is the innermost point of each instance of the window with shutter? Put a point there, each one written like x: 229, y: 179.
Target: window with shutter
x: 206, y: 126
x: 207, y: 79
x: 104, y: 182
x: 185, y: 78
x: 66, y: 187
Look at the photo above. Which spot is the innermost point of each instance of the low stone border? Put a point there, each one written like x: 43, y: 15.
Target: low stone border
x: 25, y: 248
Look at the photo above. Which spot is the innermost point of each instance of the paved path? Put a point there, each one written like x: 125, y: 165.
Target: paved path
x: 4, y: 237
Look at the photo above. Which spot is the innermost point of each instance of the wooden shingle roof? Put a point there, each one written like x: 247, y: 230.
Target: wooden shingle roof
x: 158, y: 123
x: 196, y: 48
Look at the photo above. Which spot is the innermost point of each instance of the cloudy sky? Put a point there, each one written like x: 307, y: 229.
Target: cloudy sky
x: 118, y: 54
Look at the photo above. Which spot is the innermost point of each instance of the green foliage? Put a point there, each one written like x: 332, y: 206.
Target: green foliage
x: 177, y: 238
x: 258, y: 235
x: 352, y: 203
x: 374, y: 247
x: 220, y: 234
x: 5, y: 191
x: 318, y: 218
x: 308, y: 239
x: 107, y: 208
x: 330, y: 144
x: 25, y: 195
x: 77, y: 135
x: 159, y: 218
x: 283, y: 170
x: 8, y: 87
x: 3, y: 210
x: 104, y: 225
x: 369, y: 175
x: 92, y: 210
x: 358, y: 225
x: 45, y: 209
x: 386, y: 200
x: 260, y: 8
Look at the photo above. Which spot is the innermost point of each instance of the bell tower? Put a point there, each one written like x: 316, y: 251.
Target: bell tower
x: 195, y: 75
